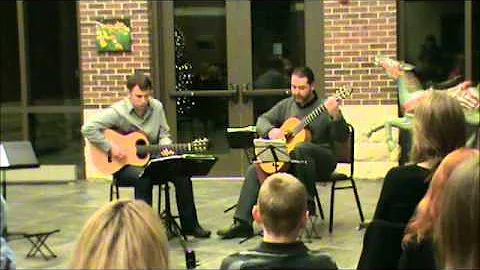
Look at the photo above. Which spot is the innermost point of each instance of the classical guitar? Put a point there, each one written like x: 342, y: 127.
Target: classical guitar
x: 295, y: 131
x: 137, y: 150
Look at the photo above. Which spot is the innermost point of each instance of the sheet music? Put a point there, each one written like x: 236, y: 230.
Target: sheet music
x: 3, y: 158
x: 264, y: 148
x: 242, y: 129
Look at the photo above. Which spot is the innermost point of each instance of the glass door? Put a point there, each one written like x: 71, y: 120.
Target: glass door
x: 223, y: 63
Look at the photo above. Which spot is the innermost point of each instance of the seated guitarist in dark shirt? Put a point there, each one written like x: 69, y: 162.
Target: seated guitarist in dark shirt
x: 140, y: 112
x: 326, y: 125
x: 281, y: 210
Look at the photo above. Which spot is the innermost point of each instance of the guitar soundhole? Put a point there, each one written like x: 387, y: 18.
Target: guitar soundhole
x: 141, y: 149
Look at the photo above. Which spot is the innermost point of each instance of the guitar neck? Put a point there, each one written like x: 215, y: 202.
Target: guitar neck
x: 308, y: 119
x: 156, y: 148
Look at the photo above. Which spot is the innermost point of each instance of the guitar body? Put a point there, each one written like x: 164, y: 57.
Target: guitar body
x: 292, y: 141
x: 128, y: 142
x: 137, y: 150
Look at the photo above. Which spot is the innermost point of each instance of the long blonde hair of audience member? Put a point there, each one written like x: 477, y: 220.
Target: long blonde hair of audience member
x: 124, y: 234
x: 438, y: 128
x: 428, y: 209
x: 458, y: 229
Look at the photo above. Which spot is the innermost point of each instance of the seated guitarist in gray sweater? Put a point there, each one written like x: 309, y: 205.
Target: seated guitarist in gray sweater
x: 282, y: 212
x: 312, y: 142
x: 140, y: 112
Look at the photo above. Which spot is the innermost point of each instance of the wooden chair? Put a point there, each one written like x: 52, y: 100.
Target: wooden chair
x: 345, y: 155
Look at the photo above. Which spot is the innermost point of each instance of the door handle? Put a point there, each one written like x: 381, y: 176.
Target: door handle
x: 244, y: 89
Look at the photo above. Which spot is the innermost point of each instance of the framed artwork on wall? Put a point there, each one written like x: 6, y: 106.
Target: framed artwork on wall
x: 113, y: 35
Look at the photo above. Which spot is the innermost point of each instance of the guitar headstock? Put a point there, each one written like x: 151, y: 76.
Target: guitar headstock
x: 344, y: 92
x: 200, y: 145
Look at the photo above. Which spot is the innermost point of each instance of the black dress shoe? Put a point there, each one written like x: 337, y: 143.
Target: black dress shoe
x: 237, y: 229
x: 199, y: 232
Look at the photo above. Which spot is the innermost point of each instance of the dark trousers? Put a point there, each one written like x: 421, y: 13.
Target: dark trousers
x: 130, y: 175
x: 320, y: 163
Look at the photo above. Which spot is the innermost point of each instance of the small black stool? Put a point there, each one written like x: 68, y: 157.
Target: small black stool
x: 38, y: 241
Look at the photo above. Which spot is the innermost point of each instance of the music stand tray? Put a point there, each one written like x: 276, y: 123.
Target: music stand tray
x: 241, y: 137
x: 163, y: 169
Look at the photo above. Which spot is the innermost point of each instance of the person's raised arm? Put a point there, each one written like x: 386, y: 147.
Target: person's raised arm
x: 269, y: 122
x: 339, y: 130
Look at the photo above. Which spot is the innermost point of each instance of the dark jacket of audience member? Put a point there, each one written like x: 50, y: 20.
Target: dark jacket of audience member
x: 419, y: 247
x: 281, y: 210
x: 435, y: 118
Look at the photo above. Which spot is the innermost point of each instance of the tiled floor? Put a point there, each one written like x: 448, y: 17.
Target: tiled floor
x: 34, y: 208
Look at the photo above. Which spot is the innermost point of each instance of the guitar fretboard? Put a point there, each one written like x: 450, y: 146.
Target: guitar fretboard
x: 340, y: 94
x: 155, y: 149
x: 308, y: 119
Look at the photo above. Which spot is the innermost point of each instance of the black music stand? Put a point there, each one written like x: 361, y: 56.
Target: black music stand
x: 271, y: 151
x: 20, y: 155
x: 242, y: 138
x: 160, y: 170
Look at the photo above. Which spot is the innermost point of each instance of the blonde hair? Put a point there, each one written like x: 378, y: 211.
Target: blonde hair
x: 428, y: 209
x: 458, y: 228
x: 439, y: 128
x: 123, y: 234
x: 282, y: 201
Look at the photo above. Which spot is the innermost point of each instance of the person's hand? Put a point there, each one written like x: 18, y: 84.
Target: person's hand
x: 276, y: 133
x: 333, y: 107
x: 118, y: 153
x: 469, y: 99
x: 165, y: 152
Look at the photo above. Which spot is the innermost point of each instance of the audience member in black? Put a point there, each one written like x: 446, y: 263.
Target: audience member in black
x: 282, y: 212
x: 419, y: 250
x: 404, y: 186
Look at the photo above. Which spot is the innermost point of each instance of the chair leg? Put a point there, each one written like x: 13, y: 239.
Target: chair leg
x: 332, y: 200
x: 319, y: 204
x: 160, y: 198
x: 357, y: 199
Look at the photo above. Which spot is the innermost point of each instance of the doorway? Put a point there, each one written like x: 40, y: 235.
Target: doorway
x: 223, y: 63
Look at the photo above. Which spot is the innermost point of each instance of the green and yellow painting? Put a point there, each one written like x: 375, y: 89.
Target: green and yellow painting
x: 114, y: 35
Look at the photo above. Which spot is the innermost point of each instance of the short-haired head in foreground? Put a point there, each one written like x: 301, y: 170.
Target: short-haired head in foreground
x: 458, y: 228
x: 123, y: 234
x: 281, y: 206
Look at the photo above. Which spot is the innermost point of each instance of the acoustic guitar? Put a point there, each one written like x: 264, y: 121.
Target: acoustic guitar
x: 295, y: 132
x: 137, y: 149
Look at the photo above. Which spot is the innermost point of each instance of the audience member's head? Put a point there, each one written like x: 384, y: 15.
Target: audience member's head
x: 438, y: 129
x: 281, y: 207
x: 458, y: 228
x: 428, y: 208
x: 124, y: 234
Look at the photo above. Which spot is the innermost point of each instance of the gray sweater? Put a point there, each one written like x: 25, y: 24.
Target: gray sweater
x: 121, y: 117
x: 324, y: 130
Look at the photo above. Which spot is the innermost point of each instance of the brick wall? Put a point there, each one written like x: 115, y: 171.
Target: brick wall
x: 104, y: 73
x: 354, y: 33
